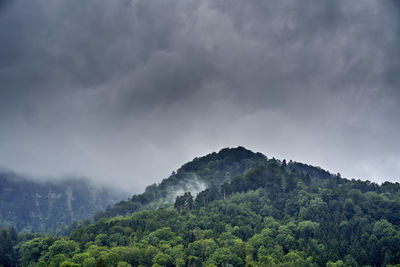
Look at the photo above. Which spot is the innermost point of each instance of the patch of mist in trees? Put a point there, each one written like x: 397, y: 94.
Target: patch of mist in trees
x: 191, y: 184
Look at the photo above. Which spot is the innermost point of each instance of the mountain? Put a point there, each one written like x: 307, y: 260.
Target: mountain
x: 38, y: 206
x: 211, y: 170
x: 248, y: 211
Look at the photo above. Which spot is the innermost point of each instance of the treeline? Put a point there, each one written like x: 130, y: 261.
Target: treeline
x: 275, y: 214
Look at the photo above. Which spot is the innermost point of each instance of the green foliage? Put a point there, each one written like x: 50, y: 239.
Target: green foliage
x: 89, y: 262
x: 56, y: 260
x: 123, y: 264
x: 31, y: 250
x: 163, y: 234
x: 202, y: 249
x: 163, y: 259
x: 224, y: 257
x: 69, y: 264
x: 264, y: 213
x: 62, y: 246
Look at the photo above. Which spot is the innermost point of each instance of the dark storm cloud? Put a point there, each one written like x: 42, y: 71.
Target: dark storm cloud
x: 129, y: 90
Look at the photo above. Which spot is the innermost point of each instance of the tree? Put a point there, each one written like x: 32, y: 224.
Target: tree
x: 184, y: 202
x: 56, y: 260
x: 63, y: 246
x: 202, y: 248
x: 163, y: 259
x: 31, y: 250
x: 89, y: 262
x: 307, y: 229
x: 163, y: 234
x: 224, y: 257
x: 348, y: 208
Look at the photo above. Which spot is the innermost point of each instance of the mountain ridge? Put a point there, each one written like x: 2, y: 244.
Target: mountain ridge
x: 49, y: 206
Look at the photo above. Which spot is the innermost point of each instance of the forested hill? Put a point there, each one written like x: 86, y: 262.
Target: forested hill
x: 37, y: 206
x: 255, y: 212
x: 211, y: 170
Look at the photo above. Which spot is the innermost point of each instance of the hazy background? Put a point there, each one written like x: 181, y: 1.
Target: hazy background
x: 126, y: 91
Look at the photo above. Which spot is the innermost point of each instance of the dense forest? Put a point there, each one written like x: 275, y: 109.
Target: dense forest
x: 252, y: 211
x: 49, y: 207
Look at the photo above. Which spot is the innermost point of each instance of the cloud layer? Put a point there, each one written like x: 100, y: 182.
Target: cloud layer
x: 126, y: 91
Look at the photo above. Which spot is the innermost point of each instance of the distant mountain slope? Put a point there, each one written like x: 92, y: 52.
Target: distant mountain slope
x: 49, y: 206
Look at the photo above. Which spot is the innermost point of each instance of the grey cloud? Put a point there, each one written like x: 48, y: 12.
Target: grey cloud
x: 129, y: 90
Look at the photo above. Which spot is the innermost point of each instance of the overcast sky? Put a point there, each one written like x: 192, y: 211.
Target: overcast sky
x: 126, y: 91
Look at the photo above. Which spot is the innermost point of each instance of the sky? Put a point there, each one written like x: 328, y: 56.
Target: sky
x: 126, y: 91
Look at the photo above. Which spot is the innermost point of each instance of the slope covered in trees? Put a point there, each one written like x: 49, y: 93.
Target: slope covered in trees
x: 211, y: 170
x: 272, y: 214
x: 49, y: 206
